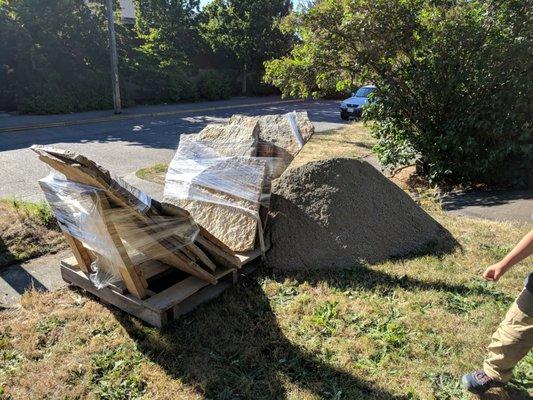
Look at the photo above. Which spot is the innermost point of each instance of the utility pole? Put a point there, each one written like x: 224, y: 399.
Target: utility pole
x: 114, y: 57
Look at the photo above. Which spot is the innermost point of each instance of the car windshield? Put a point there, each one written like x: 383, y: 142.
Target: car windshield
x: 364, y: 92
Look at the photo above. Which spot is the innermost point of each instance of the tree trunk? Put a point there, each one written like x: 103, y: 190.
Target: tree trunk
x: 244, y: 80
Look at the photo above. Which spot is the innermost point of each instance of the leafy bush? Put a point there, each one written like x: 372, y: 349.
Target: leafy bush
x: 454, y: 89
x: 213, y: 85
x: 53, y: 56
x: 461, y: 106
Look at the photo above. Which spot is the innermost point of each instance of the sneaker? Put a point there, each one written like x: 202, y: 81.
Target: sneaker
x: 479, y: 382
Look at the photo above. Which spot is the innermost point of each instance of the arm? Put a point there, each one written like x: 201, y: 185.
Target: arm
x: 522, y: 250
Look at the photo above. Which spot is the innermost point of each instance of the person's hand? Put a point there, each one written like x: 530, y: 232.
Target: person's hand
x: 494, y: 272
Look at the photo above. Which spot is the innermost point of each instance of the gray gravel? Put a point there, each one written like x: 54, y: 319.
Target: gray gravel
x: 339, y: 212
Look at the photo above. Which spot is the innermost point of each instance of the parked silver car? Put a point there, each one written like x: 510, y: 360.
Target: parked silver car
x: 353, y: 107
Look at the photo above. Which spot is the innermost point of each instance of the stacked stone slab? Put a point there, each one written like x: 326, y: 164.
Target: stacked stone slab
x: 222, y: 174
x: 216, y: 177
x: 276, y: 138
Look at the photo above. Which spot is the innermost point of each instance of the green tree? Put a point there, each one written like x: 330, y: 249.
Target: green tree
x: 454, y: 80
x: 166, y: 32
x: 50, y: 52
x: 247, y: 30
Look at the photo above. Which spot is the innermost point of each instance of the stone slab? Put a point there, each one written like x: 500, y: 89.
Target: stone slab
x: 276, y: 138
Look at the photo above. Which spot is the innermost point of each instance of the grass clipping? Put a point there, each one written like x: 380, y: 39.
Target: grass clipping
x: 340, y: 212
x: 27, y: 230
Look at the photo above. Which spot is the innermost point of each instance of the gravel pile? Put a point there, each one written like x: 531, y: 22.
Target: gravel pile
x: 336, y: 213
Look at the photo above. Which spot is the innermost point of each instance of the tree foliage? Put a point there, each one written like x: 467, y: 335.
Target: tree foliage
x: 247, y: 30
x: 54, y: 56
x: 50, y: 51
x: 454, y: 79
x: 165, y: 32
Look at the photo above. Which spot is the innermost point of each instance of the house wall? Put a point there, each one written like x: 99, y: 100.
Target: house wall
x: 128, y: 9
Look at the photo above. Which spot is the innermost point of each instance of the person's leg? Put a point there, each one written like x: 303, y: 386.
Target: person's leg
x: 512, y: 341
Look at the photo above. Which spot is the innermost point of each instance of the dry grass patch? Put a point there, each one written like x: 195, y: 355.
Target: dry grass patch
x: 403, y: 329
x: 352, y: 141
x: 27, y: 230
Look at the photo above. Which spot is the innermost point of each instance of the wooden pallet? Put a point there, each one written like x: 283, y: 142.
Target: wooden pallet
x: 164, y: 304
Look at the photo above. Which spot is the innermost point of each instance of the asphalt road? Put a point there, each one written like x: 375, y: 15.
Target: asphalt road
x: 124, y: 146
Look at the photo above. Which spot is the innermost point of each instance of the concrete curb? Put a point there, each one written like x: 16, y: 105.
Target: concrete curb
x: 122, y: 117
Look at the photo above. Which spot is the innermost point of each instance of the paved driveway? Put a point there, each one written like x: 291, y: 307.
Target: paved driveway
x: 124, y: 146
x: 514, y: 205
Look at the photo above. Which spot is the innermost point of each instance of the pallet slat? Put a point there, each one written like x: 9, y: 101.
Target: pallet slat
x: 181, y: 290
x: 165, y: 306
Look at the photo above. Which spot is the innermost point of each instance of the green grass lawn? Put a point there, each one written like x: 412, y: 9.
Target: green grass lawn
x: 402, y: 329
x: 27, y: 230
x: 155, y: 173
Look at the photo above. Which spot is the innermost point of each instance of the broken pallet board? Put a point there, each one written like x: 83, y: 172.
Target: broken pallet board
x: 162, y: 307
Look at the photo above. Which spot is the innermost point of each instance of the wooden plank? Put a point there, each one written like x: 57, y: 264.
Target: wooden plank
x: 201, y: 256
x: 70, y: 263
x: 157, y: 313
x: 245, y: 258
x: 135, y: 284
x: 220, y: 256
x: 127, y: 303
x: 203, y: 296
x: 80, y: 253
x: 209, y: 292
x: 181, y: 290
x: 157, y: 250
x: 148, y: 269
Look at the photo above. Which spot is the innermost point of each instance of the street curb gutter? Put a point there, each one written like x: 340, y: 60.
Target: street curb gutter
x: 134, y: 116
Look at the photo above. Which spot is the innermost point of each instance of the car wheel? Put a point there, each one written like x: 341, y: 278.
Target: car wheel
x: 344, y: 116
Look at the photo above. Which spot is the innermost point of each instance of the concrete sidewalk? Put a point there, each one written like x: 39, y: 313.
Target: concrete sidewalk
x: 14, y: 122
x: 41, y: 273
x: 513, y: 206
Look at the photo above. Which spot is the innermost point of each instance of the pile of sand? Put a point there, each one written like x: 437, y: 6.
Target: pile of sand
x: 338, y: 212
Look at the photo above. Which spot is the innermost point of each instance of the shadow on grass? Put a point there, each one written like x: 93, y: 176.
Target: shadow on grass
x: 367, y: 279
x: 233, y: 348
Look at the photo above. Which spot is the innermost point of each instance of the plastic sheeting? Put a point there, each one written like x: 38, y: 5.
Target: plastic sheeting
x: 223, y: 175
x: 198, y: 172
x: 83, y: 212
x: 228, y: 173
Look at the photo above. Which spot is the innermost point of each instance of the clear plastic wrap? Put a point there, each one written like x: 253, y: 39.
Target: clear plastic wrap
x: 85, y: 213
x: 223, y: 175
x: 199, y: 172
x: 230, y: 164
